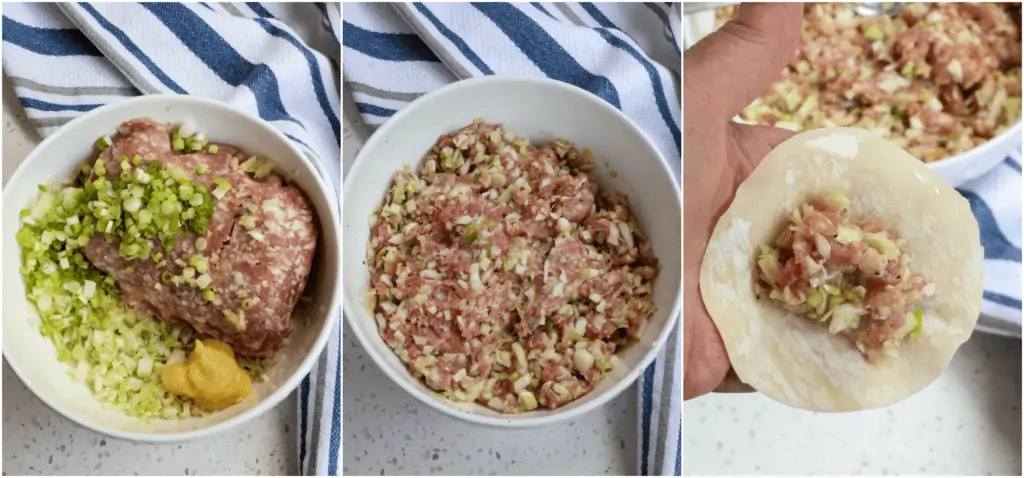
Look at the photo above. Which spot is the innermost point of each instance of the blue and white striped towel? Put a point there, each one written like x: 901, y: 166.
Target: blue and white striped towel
x: 627, y: 54
x: 995, y: 201
x: 275, y: 60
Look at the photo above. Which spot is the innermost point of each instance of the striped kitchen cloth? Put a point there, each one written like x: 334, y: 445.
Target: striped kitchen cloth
x: 626, y: 53
x: 275, y: 60
x: 995, y: 200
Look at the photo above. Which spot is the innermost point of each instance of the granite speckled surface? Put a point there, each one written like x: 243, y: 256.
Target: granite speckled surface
x: 388, y: 432
x: 968, y: 422
x: 39, y: 441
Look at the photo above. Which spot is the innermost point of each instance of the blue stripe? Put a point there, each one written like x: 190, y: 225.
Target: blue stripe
x: 597, y: 15
x: 134, y: 49
x: 679, y: 452
x: 386, y: 46
x: 1002, y: 300
x: 259, y: 10
x: 314, y: 72
x: 303, y: 408
x: 375, y: 110
x: 672, y: 34
x: 332, y: 465
x: 208, y: 7
x: 297, y: 140
x: 1013, y: 164
x: 992, y: 239
x: 646, y: 408
x: 328, y: 26
x: 222, y: 59
x: 540, y: 7
x: 323, y: 11
x: 48, y: 41
x: 545, y: 52
x: 652, y: 73
x: 47, y: 106
x: 456, y: 40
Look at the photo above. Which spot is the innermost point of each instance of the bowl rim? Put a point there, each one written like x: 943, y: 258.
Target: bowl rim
x: 967, y: 156
x: 292, y: 382
x: 511, y: 421
x: 949, y: 161
x: 1014, y: 129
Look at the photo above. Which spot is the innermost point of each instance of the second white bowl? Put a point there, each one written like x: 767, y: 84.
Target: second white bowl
x: 541, y: 110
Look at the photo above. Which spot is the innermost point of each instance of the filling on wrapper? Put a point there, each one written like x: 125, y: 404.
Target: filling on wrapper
x: 793, y: 359
x: 852, y: 275
x: 938, y: 80
x: 503, y: 274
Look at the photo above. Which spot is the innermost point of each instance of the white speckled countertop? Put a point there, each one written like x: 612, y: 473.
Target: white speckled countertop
x: 388, y: 432
x: 39, y: 441
x: 968, y: 422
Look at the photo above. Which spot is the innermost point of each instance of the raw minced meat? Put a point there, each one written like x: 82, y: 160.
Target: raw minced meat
x: 938, y: 80
x: 852, y: 275
x: 160, y: 240
x: 257, y: 250
x: 503, y: 274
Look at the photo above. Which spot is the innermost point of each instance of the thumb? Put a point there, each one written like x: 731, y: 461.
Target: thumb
x: 734, y: 65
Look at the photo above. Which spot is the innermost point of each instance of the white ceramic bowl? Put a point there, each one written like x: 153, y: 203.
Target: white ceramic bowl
x: 956, y: 170
x: 33, y: 356
x: 540, y: 110
x: 959, y: 169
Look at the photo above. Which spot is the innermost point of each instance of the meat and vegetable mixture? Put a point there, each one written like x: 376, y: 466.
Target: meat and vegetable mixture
x: 503, y: 274
x: 938, y: 80
x: 164, y: 225
x: 852, y: 275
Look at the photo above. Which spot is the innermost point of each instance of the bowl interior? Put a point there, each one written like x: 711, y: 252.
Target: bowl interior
x: 540, y: 110
x: 957, y: 170
x: 34, y: 358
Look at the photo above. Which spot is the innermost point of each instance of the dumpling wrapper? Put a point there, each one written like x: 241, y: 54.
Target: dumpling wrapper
x: 796, y: 361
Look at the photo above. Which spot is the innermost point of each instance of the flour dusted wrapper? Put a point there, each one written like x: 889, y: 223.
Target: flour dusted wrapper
x: 796, y: 361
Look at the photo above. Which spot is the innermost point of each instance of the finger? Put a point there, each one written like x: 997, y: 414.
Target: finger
x: 753, y: 142
x: 769, y: 136
x: 733, y: 384
x: 734, y: 65
x: 705, y: 360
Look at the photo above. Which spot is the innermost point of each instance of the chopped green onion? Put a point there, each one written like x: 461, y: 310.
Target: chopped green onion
x: 236, y: 318
x: 247, y: 221
x: 222, y: 188
x: 221, y: 183
x: 204, y: 281
x: 258, y: 166
x: 114, y: 350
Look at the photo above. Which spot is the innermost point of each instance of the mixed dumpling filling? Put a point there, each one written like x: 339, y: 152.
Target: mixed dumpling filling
x: 503, y: 274
x: 938, y: 79
x: 852, y: 275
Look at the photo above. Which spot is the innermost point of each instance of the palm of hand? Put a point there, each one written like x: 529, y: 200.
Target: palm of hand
x: 725, y: 156
x: 724, y: 73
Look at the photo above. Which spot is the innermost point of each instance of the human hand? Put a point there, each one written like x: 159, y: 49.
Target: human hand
x: 724, y: 73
